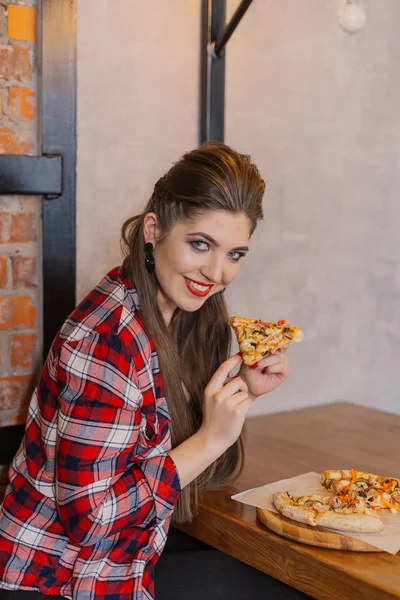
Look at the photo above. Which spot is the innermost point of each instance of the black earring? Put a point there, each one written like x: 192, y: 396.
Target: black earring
x: 149, y: 257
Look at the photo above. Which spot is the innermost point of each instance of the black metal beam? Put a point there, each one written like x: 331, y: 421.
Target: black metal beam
x: 58, y: 127
x: 221, y: 41
x: 212, y: 95
x: 214, y: 37
x: 40, y: 175
x: 204, y: 70
x: 217, y: 75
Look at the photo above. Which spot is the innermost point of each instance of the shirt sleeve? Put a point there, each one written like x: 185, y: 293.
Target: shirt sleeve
x: 102, y: 484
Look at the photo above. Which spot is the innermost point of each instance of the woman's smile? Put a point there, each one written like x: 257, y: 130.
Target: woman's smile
x: 198, y: 288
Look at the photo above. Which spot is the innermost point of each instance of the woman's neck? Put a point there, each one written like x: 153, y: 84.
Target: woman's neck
x: 167, y: 308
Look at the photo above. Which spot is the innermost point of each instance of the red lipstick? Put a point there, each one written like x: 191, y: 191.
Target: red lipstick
x: 195, y: 291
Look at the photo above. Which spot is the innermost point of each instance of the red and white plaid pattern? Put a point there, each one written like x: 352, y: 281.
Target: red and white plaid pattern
x: 92, y: 488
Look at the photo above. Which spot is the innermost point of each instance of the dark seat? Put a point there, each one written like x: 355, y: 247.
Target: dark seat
x: 191, y: 570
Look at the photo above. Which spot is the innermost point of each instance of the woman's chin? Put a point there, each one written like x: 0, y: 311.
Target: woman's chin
x: 191, y: 304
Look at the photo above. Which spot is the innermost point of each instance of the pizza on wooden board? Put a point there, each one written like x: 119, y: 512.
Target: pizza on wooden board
x: 258, y: 339
x: 354, y: 501
x: 326, y: 512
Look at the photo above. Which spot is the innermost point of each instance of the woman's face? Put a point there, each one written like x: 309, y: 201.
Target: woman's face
x: 198, y: 258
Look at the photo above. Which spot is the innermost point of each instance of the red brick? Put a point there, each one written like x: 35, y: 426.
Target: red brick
x: 5, y: 224
x: 15, y: 63
x: 21, y: 102
x: 23, y: 351
x: 3, y: 272
x: 12, y: 417
x: 16, y: 310
x: 2, y: 20
x: 22, y: 23
x: 28, y: 203
x: 15, y: 390
x: 10, y: 143
x: 22, y: 227
x: 24, y: 271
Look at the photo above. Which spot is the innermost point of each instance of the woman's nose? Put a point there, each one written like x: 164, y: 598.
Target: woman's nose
x: 213, y: 270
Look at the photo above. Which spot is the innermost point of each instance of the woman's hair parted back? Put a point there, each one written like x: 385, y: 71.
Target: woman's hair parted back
x: 212, y: 177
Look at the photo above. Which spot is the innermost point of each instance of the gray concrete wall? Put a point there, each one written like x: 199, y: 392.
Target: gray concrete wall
x: 318, y: 110
x: 137, y: 113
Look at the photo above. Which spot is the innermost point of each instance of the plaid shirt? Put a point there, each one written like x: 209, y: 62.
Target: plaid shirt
x: 92, y: 486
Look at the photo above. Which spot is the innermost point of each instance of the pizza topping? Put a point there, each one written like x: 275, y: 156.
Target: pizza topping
x: 258, y: 339
x: 312, y: 503
x: 327, y: 512
x: 390, y: 484
x: 396, y: 496
x: 360, y: 483
x: 389, y: 504
x: 342, y: 486
x: 336, y: 502
x: 353, y: 474
x: 344, y: 505
x: 371, y: 492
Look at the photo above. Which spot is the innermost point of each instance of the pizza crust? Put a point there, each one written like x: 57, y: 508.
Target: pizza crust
x: 352, y: 523
x: 297, y: 513
x: 349, y: 522
x: 258, y: 339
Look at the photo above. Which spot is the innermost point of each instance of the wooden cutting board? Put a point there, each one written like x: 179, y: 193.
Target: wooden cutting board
x: 313, y: 536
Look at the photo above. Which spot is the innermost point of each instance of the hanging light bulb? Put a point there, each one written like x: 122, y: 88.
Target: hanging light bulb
x: 352, y: 17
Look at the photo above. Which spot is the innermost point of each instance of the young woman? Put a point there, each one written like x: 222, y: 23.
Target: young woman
x: 136, y: 410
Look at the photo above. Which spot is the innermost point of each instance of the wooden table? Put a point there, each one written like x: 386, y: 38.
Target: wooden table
x: 287, y: 444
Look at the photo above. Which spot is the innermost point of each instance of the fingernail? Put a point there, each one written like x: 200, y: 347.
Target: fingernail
x: 254, y: 366
x: 238, y: 354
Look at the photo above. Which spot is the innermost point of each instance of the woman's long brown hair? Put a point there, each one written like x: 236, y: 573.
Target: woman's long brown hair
x: 212, y: 177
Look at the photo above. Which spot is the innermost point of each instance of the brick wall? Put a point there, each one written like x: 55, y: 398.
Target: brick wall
x: 20, y: 263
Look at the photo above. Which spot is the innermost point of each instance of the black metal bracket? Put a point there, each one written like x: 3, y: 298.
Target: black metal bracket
x: 58, y: 131
x: 39, y: 175
x: 52, y: 174
x: 214, y: 37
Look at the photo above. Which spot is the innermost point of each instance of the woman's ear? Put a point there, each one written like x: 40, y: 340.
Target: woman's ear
x: 150, y: 228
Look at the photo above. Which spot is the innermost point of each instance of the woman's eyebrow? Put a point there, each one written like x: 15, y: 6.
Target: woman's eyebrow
x: 215, y: 243
x: 207, y: 237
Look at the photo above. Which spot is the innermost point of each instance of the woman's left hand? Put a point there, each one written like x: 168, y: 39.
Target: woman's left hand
x: 268, y: 375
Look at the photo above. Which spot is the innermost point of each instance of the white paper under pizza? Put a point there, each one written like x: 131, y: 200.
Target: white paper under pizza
x: 309, y: 483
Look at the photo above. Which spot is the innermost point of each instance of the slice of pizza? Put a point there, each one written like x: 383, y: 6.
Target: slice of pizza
x: 373, y: 491
x: 328, y: 511
x: 258, y: 339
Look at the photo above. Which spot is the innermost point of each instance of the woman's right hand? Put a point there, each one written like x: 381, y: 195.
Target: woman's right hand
x: 226, y: 403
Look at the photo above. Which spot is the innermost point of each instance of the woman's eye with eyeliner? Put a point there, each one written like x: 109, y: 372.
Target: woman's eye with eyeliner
x: 236, y: 256
x: 199, y: 245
